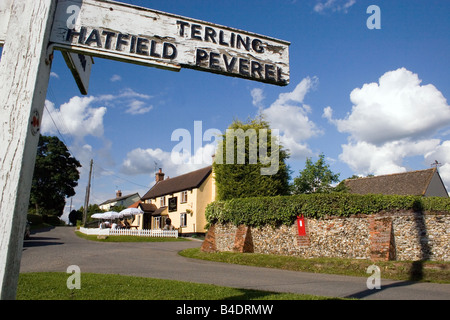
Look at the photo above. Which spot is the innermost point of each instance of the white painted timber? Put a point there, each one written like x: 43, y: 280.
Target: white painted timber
x: 80, y: 66
x: 5, y: 6
x: 139, y: 35
x: 24, y: 76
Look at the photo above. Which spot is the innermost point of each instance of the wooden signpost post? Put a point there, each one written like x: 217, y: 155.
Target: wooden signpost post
x: 31, y: 30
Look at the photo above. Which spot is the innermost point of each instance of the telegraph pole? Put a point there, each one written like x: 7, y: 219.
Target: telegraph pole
x: 86, y: 199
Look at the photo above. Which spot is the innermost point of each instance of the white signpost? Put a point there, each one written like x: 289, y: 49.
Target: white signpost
x: 30, y: 30
x: 139, y: 35
x: 80, y: 66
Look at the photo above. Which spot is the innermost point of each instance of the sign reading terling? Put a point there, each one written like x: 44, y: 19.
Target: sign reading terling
x: 139, y: 35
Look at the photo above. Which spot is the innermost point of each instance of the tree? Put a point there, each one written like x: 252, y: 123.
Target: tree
x: 250, y: 162
x: 75, y: 215
x: 316, y: 177
x: 55, y: 177
x: 92, y: 208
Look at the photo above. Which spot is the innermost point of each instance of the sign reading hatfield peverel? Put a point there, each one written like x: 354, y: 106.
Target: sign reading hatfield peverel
x: 123, y: 32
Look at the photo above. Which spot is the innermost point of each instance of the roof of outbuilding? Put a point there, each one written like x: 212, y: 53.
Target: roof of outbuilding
x: 186, y: 181
x: 120, y: 198
x: 406, y: 183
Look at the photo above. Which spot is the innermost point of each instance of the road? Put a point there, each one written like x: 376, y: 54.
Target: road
x: 58, y: 248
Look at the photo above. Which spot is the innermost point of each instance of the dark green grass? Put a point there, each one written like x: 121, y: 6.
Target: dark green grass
x: 53, y: 286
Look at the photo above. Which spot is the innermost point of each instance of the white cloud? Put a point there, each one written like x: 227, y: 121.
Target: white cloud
x: 392, y: 120
x: 77, y: 118
x: 54, y: 75
x: 115, y: 78
x: 143, y: 161
x: 138, y: 107
x: 366, y: 158
x: 258, y: 97
x: 395, y: 108
x: 442, y: 155
x: 333, y: 5
x: 135, y: 103
x: 289, y: 115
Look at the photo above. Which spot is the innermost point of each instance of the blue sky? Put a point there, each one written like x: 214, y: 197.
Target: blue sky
x: 374, y: 101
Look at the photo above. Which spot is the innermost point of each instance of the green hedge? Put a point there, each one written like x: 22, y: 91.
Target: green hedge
x: 279, y: 210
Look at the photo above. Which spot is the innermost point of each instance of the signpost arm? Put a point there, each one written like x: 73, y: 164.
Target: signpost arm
x: 24, y: 76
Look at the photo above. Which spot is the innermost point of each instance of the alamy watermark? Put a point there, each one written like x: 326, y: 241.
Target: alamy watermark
x: 374, y: 281
x: 374, y: 21
x: 74, y: 280
x: 252, y: 146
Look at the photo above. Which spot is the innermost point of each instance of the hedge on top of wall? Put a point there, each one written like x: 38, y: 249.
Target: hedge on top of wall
x: 260, y: 211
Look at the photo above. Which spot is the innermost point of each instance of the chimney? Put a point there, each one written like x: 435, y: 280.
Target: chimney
x: 118, y: 194
x: 159, y: 176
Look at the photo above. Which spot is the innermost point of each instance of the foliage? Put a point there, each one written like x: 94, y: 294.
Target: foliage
x: 55, y: 177
x: 237, y: 179
x: 92, y: 208
x: 260, y: 211
x: 74, y: 216
x: 316, y: 177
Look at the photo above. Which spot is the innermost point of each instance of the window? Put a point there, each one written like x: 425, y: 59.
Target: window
x: 184, y: 196
x: 162, y: 202
x: 157, y: 222
x: 183, y: 219
x: 173, y: 204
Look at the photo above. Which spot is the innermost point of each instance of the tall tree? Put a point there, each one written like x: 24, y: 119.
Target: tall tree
x: 55, y: 176
x: 316, y: 177
x: 249, y: 162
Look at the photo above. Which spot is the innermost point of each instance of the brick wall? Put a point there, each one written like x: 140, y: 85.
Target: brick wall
x: 384, y: 236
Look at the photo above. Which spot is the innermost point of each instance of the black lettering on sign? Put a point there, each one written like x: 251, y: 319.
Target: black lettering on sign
x: 72, y: 33
x: 270, y: 72
x: 257, y: 46
x: 182, y: 24
x: 214, y: 61
x: 109, y: 35
x: 121, y: 40
x: 256, y: 69
x: 82, y: 61
x: 200, y: 56
x: 167, y: 47
x: 153, y: 52
x: 133, y: 44
x: 245, y: 43
x: 94, y: 37
x: 210, y: 34
x: 243, y: 67
x: 195, y: 31
x: 229, y: 65
x: 141, y: 46
x: 221, y: 39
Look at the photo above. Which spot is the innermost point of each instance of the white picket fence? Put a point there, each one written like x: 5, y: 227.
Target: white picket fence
x: 130, y: 232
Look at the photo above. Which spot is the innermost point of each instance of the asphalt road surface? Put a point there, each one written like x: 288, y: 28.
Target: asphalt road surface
x: 59, y: 248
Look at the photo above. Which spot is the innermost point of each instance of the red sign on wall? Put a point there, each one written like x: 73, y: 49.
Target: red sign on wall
x: 301, y: 226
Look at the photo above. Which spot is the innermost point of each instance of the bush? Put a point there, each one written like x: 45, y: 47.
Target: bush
x: 260, y: 211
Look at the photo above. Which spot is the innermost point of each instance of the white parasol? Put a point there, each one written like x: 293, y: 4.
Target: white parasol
x: 128, y: 212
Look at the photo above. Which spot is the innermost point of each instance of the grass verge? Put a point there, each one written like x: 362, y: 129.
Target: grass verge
x: 128, y: 238
x: 426, y: 271
x: 53, y: 286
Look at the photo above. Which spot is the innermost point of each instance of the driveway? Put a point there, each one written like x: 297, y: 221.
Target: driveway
x: 58, y: 248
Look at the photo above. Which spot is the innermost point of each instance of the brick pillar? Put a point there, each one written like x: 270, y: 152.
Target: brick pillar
x: 381, y: 238
x: 209, y: 244
x: 243, y: 241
